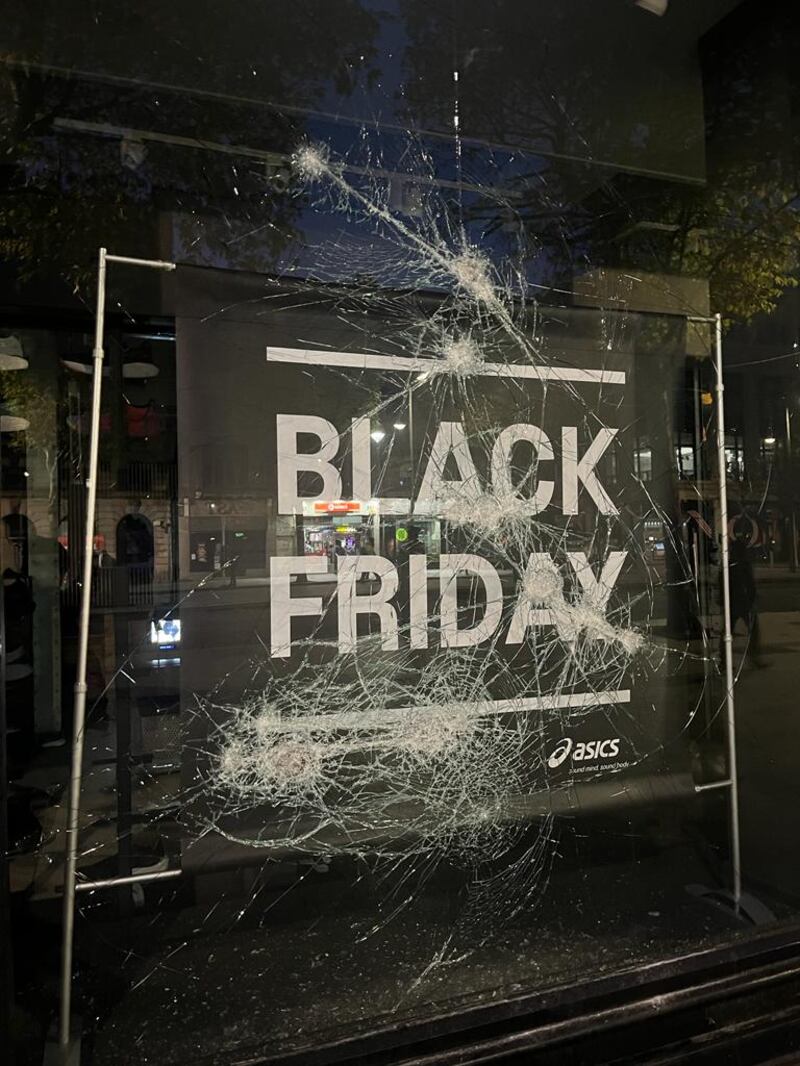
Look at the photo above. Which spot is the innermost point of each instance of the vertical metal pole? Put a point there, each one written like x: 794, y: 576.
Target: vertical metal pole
x: 730, y: 706
x: 411, y: 464
x: 79, y: 711
x: 793, y: 556
x: 698, y: 423
x: 6, y: 963
x: 700, y: 587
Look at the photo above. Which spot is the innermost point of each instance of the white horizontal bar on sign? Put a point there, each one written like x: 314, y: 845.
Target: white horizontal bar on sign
x: 390, y: 717
x: 562, y: 702
x: 363, y: 361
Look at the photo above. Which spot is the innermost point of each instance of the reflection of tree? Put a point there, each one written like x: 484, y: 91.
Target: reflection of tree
x: 33, y: 397
x: 741, y: 229
x: 69, y: 191
x: 561, y: 78
x: 566, y: 94
x: 740, y: 233
x: 254, y: 51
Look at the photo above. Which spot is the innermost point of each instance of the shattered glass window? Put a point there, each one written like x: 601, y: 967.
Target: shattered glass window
x: 411, y: 691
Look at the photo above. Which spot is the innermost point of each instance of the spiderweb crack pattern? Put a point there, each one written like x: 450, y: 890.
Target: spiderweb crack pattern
x: 407, y: 758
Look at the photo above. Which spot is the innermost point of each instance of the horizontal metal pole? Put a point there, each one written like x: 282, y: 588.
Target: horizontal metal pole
x: 713, y: 784
x: 134, y: 879
x: 154, y: 264
x: 241, y: 151
x: 336, y: 116
x: 698, y: 318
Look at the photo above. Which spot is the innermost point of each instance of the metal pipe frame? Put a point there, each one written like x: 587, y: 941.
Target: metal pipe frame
x: 134, y: 879
x: 79, y: 705
x: 732, y: 780
x: 71, y: 886
x: 730, y: 705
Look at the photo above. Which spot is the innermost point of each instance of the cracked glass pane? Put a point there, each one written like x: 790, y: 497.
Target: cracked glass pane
x: 406, y: 664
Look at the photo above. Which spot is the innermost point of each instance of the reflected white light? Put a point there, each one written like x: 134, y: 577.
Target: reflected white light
x: 377, y: 435
x: 399, y: 425
x: 423, y: 375
x: 769, y: 440
x: 166, y: 632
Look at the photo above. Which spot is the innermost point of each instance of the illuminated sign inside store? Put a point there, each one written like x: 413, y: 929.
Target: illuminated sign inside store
x: 337, y: 506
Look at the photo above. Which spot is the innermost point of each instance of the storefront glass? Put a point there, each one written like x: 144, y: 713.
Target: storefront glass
x: 406, y: 663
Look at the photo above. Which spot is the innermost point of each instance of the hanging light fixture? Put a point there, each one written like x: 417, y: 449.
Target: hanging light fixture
x: 11, y: 423
x: 11, y: 357
x: 139, y: 370
x: 130, y: 371
x: 78, y: 366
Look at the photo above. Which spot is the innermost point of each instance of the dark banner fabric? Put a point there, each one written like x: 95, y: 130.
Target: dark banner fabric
x: 418, y: 568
